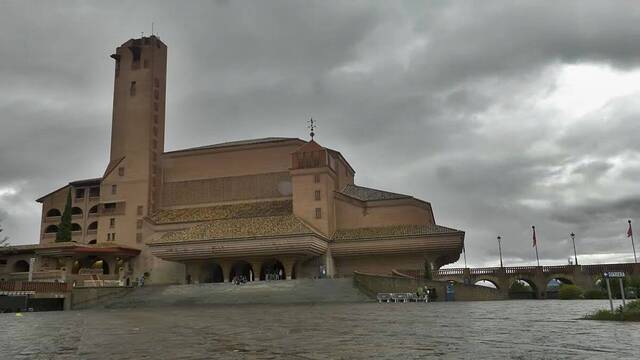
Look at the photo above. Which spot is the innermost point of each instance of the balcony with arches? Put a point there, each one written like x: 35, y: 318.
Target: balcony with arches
x: 53, y: 216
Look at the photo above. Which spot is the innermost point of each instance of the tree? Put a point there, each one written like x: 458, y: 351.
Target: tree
x: 4, y: 241
x: 428, y: 274
x: 569, y: 292
x: 64, y: 229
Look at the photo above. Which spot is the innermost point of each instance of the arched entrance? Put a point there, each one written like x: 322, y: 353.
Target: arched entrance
x: 213, y: 273
x: 21, y: 266
x: 241, y: 269
x: 523, y: 289
x: 91, y: 262
x: 272, y: 270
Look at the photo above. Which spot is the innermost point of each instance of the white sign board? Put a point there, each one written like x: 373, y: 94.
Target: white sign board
x: 614, y: 274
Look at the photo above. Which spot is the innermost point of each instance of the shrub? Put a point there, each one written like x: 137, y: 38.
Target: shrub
x: 569, y: 292
x: 595, y: 294
x: 631, y: 312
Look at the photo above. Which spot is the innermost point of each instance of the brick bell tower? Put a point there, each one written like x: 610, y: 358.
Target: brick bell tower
x: 137, y: 132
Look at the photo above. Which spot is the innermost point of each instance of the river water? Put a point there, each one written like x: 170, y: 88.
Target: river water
x: 524, y: 329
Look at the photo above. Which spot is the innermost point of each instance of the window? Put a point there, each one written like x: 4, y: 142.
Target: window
x: 110, y: 206
x: 317, y: 195
x: 114, y: 189
x: 108, y: 236
x: 53, y: 212
x: 139, y: 224
x: 138, y: 237
x: 94, y: 191
x: 120, y: 171
x: 79, y: 193
x: 318, y: 213
x: 132, y: 89
x: 3, y: 261
x: 140, y: 208
x: 112, y: 222
x: 113, y: 236
x: 316, y: 178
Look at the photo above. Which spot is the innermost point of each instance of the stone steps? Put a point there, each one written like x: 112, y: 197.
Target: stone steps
x: 258, y: 292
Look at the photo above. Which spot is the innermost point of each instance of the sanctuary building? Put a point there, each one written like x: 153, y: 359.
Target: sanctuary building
x: 270, y: 208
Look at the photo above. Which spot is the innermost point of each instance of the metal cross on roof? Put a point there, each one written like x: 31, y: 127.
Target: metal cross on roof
x: 312, y: 126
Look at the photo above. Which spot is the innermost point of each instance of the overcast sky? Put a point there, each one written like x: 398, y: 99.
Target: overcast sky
x: 502, y: 116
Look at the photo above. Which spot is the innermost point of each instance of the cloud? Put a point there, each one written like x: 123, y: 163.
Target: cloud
x: 501, y: 115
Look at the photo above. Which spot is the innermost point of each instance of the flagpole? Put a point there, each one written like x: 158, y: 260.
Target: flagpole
x: 635, y: 259
x: 535, y: 245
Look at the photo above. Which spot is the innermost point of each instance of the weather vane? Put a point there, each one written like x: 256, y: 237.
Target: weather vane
x: 312, y: 127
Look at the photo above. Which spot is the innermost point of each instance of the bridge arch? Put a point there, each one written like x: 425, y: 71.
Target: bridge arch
x: 523, y: 288
x: 487, y: 283
x: 552, y: 285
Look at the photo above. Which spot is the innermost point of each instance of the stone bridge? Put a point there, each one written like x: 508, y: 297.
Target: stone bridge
x: 538, y: 277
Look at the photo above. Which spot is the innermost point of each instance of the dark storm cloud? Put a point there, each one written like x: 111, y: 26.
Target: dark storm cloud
x: 440, y: 100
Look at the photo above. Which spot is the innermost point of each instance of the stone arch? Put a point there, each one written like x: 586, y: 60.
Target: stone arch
x: 91, y: 262
x: 94, y: 241
x: 76, y: 227
x: 93, y: 226
x: 552, y: 285
x: 493, y: 282
x: 53, y: 212
x: 240, y: 269
x: 517, y: 294
x: 76, y: 211
x: 93, y: 209
x: 21, y: 266
x: 272, y: 269
x: 212, y: 273
x: 51, y: 229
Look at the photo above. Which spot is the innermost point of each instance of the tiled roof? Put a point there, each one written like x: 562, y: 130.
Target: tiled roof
x: 240, y: 228
x: 391, y: 231
x: 242, y: 210
x: 237, y: 143
x: 368, y: 194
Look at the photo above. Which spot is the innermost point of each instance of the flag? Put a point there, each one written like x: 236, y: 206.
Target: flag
x: 534, y: 236
x: 629, y: 232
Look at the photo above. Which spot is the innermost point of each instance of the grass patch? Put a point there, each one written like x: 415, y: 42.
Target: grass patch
x: 631, y: 312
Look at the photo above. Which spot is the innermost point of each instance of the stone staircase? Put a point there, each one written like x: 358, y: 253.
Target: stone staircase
x: 259, y: 292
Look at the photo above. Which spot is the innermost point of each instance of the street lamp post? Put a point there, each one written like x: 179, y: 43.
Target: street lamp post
x: 575, y: 254
x: 500, y: 249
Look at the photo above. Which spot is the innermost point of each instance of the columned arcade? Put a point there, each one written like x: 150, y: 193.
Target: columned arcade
x: 252, y: 269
